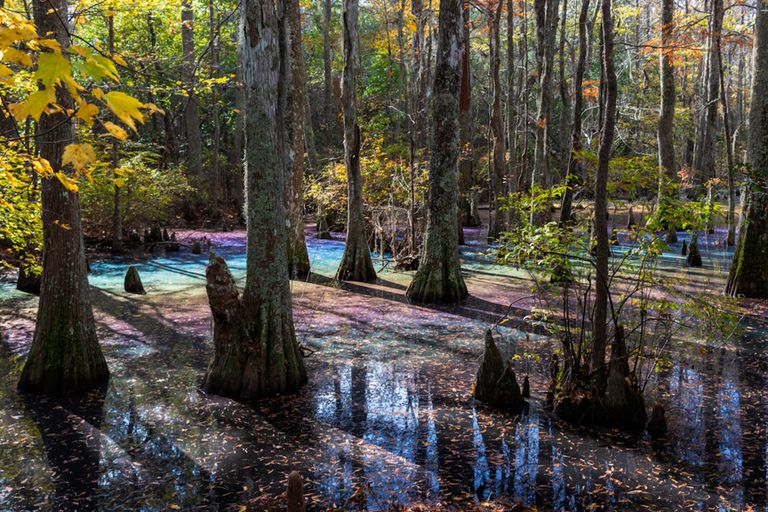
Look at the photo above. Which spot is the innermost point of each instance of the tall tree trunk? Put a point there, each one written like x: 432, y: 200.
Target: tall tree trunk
x: 117, y: 212
x: 420, y: 83
x: 546, y: 30
x: 65, y: 356
x: 215, y: 182
x: 730, y: 215
x: 256, y: 353
x: 438, y: 279
x: 497, y: 213
x: 330, y: 110
x: 511, y: 99
x: 574, y: 163
x: 565, y: 106
x: 600, y: 223
x: 169, y: 142
x: 298, y: 257
x: 704, y: 158
x: 665, y: 128
x: 749, y: 269
x: 466, y: 178
x: 356, y: 264
x: 191, y: 107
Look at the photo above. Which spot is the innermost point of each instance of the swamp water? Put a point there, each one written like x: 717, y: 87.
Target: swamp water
x: 387, y: 417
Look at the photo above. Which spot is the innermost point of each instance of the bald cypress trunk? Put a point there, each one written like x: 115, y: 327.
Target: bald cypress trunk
x: 356, y: 264
x: 574, y: 163
x: 498, y: 214
x: 191, y: 107
x: 214, y: 177
x: 330, y: 108
x: 470, y: 216
x: 749, y: 269
x: 546, y: 30
x: 665, y: 127
x: 704, y: 161
x: 256, y: 350
x: 600, y: 223
x: 65, y: 356
x: 298, y: 257
x: 438, y: 279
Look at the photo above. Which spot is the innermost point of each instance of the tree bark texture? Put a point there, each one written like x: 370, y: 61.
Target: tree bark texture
x: 65, y: 356
x: 600, y: 223
x: 749, y: 270
x: 497, y: 213
x: 260, y: 356
x: 546, y: 32
x: 574, y: 170
x: 704, y: 161
x: 191, y: 106
x: 298, y: 257
x: 438, y: 279
x: 356, y: 264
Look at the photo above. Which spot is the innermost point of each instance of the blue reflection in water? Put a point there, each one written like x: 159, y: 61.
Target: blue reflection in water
x: 686, y: 385
x: 482, y: 480
x: 431, y: 459
x: 527, y: 456
x: 730, y: 465
x: 558, y: 475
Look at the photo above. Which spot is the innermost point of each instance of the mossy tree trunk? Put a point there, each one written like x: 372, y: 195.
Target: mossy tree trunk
x: 356, y: 264
x: 749, y: 269
x: 600, y: 223
x: 666, y: 123
x: 298, y: 257
x: 438, y: 279
x: 65, y: 356
x: 260, y: 356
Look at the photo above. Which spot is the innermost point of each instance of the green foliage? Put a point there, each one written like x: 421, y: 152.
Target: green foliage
x: 386, y: 182
x: 20, y: 224
x: 149, y: 194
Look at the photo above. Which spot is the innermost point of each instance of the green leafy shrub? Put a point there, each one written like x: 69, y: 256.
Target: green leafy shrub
x: 149, y: 195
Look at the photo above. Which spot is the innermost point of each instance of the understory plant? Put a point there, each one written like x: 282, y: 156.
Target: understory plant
x: 645, y: 312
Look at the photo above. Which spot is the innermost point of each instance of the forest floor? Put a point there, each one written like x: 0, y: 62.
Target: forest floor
x: 387, y: 418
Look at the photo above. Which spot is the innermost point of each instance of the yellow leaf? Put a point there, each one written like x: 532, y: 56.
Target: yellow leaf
x: 42, y: 167
x: 115, y: 130
x: 86, y: 112
x: 14, y: 56
x: 68, y: 182
x: 82, y: 51
x: 119, y: 182
x: 117, y: 58
x: 154, y: 108
x: 53, y: 69
x: 51, y: 44
x: 5, y: 72
x: 125, y: 107
x: 33, y: 106
x: 79, y: 156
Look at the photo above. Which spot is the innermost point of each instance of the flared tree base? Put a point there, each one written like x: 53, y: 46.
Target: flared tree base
x: 252, y: 359
x: 61, y: 364
x: 437, y: 285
